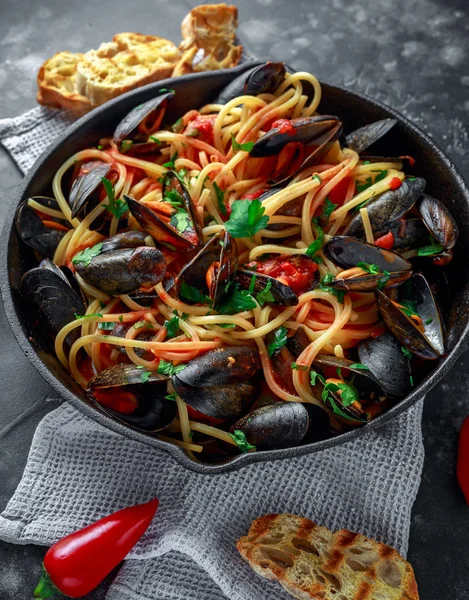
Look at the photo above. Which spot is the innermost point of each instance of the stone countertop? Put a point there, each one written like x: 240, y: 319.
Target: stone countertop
x: 411, y: 54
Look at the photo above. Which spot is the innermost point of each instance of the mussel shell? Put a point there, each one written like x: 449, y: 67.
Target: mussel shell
x: 439, y: 221
x: 409, y: 234
x: 125, y: 270
x: 126, y: 239
x: 369, y: 387
x: 220, y: 249
x: 364, y: 137
x: 143, y: 334
x: 387, y: 208
x: 152, y: 415
x: 418, y: 290
x: 54, y: 300
x: 281, y: 361
x: 122, y: 375
x: 298, y: 342
x: 283, y: 294
x: 346, y: 252
x: 227, y: 401
x: 128, y: 127
x: 261, y: 79
x: 385, y: 359
x: 319, y: 426
x: 278, y: 425
x: 66, y: 274
x: 404, y: 329
x: 84, y: 186
x: 369, y: 283
x: 221, y: 366
x: 34, y: 233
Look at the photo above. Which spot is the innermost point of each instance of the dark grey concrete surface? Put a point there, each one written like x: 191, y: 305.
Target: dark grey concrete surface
x: 412, y: 54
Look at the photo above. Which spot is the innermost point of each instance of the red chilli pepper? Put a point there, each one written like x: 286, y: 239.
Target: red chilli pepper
x: 385, y: 241
x: 395, y: 183
x: 462, y: 469
x: 79, y: 562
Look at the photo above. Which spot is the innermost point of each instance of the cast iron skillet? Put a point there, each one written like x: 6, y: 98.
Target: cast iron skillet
x: 192, y: 91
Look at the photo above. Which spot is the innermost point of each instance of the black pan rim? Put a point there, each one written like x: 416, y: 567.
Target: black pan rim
x: 175, y: 452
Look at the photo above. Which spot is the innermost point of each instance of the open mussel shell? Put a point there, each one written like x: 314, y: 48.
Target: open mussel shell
x: 144, y: 334
x: 439, y: 221
x: 281, y: 293
x: 386, y: 361
x: 153, y: 413
x: 169, y: 232
x: 298, y: 342
x: 347, y: 252
x: 277, y: 425
x: 387, y: 208
x: 126, y: 239
x: 85, y: 185
x: 125, y: 270
x: 55, y: 301
x: 212, y: 269
x: 143, y: 120
x: 361, y: 139
x: 408, y: 234
x: 34, y: 233
x: 262, y: 79
x: 406, y: 330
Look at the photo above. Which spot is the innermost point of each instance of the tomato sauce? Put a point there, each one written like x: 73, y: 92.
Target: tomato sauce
x: 201, y: 128
x: 295, y: 271
x: 284, y: 126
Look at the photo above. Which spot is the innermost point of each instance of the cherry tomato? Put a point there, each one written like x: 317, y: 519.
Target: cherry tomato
x: 395, y: 183
x: 385, y: 241
x: 201, y: 128
x: 124, y: 403
x: 284, y: 126
x: 196, y: 415
x: 338, y: 193
x: 296, y: 271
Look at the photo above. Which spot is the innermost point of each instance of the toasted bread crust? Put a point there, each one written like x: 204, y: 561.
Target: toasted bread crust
x: 312, y: 562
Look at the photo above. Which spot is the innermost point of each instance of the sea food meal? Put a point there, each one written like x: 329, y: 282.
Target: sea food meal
x: 79, y: 82
x: 310, y: 561
x: 245, y: 277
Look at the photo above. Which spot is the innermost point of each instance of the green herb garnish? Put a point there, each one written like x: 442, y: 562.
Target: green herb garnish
x: 171, y: 162
x: 116, y: 207
x: 172, y: 327
x: 191, y: 293
x: 121, y: 318
x: 180, y: 221
x: 126, y: 145
x: 167, y: 368
x: 246, y: 219
x: 314, y: 376
x: 238, y: 301
x: 265, y: 295
x: 406, y: 352
x: 323, y: 286
x: 296, y: 367
x: 327, y: 210
x: 178, y: 126
x: 171, y: 397
x: 316, y: 176
x: 359, y: 367
x: 154, y: 139
x: 90, y: 316
x: 85, y: 256
x: 408, y: 307
x: 318, y: 243
x: 279, y: 341
x: 220, y: 198
x: 430, y: 250
x: 247, y: 147
x: 240, y: 438
x: 383, y: 280
x: 372, y: 269
x: 106, y: 325
x: 145, y: 376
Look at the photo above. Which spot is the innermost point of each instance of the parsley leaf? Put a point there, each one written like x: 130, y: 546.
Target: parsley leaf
x: 314, y: 376
x: 318, y: 242
x: 327, y: 210
x: 171, y: 163
x: 165, y: 90
x: 117, y: 207
x: 359, y: 367
x: 173, y: 197
x: 90, y: 316
x: 383, y: 280
x: 171, y: 397
x: 296, y: 367
x: 430, y: 250
x: 247, y: 147
x: 154, y: 139
x: 339, y: 294
x: 406, y: 352
x: 227, y: 325
x: 361, y: 187
x: 180, y: 221
x: 408, y: 307
x: 247, y: 218
x: 238, y: 301
x: 279, y: 341
x: 86, y: 255
x: 240, y: 438
x: 429, y: 321
x: 172, y: 327
x: 145, y: 376
x: 372, y: 269
x: 178, y: 126
x: 349, y: 393
x: 107, y: 326
x: 252, y: 284
x: 221, y: 198
x: 191, y: 293
x: 125, y: 146
x: 167, y: 368
x: 142, y: 324
x: 316, y: 176
x: 121, y: 318
x: 266, y: 295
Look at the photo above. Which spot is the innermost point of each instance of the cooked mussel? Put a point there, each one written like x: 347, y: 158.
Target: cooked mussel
x: 218, y: 383
x: 391, y: 367
x: 126, y: 239
x: 212, y: 269
x: 387, y: 208
x: 422, y: 331
x: 123, y: 271
x: 439, y: 221
x: 35, y: 233
x: 144, y: 119
x: 387, y: 268
x: 278, y: 425
x: 122, y: 385
x: 176, y: 226
x: 408, y: 234
x: 364, y: 137
x: 257, y: 283
x: 82, y: 192
x: 262, y: 79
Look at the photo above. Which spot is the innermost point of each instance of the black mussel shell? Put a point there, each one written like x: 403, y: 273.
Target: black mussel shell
x: 439, y: 221
x: 122, y: 375
x: 34, y: 233
x: 298, y: 342
x: 387, y: 208
x: 385, y: 359
x: 361, y: 139
x: 281, y: 293
x: 281, y: 361
x: 127, y: 239
x: 124, y: 271
x: 221, y: 366
x: 219, y: 254
x: 66, y: 274
x: 143, y: 119
x: 409, y: 234
x: 319, y: 426
x: 370, y: 283
x: 143, y: 334
x: 261, y: 79
x: 279, y: 425
x: 85, y: 185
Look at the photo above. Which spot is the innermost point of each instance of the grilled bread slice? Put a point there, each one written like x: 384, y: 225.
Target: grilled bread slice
x: 312, y: 562
x: 56, y: 83
x: 208, y: 44
x: 131, y: 60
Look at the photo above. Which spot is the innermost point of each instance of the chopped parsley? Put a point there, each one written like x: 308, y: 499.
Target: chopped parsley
x: 408, y: 307
x: 323, y: 286
x: 266, y: 295
x: 247, y: 147
x: 167, y: 368
x: 173, y: 198
x: 361, y: 187
x: 126, y: 145
x: 90, y: 316
x: 359, y: 367
x: 116, y: 207
x: 316, y: 176
x: 142, y: 324
x: 252, y: 284
x: 246, y: 219
x: 430, y: 250
x: 220, y: 198
x: 384, y: 280
x: 238, y: 301
x: 240, y: 438
x: 172, y: 327
x: 171, y: 164
x: 171, y: 397
x: 154, y: 139
x: 327, y: 210
x: 279, y: 341
x: 372, y: 269
x: 85, y: 256
x: 428, y: 321
x: 145, y: 376
x: 106, y: 325
x: 178, y: 126
x: 193, y: 294
x: 227, y: 325
x: 406, y: 352
x: 296, y: 367
x: 318, y: 243
x: 180, y: 221
x: 100, y: 147
x: 121, y: 318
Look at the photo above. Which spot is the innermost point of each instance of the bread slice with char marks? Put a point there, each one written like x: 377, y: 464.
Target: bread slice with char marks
x: 312, y: 562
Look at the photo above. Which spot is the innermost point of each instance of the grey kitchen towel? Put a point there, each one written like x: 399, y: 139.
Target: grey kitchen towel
x: 78, y: 471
